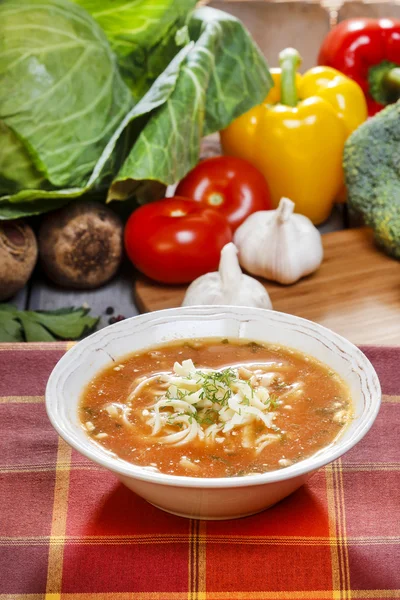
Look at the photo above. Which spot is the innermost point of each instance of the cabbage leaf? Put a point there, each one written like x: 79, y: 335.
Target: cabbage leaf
x: 88, y: 101
x: 61, y: 92
x: 144, y: 34
x: 223, y: 76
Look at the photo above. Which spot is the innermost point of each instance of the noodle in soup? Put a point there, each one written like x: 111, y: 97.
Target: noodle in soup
x: 215, y: 408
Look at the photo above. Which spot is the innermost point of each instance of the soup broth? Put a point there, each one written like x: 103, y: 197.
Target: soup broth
x: 215, y: 408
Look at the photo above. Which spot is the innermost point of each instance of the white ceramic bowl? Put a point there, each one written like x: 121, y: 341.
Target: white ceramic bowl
x: 219, y: 498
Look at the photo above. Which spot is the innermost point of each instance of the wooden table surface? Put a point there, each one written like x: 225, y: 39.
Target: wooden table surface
x: 356, y: 291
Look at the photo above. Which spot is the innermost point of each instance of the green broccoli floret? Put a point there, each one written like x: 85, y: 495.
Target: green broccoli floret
x: 372, y: 170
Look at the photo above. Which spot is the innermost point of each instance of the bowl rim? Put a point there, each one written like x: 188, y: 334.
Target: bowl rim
x: 125, y: 469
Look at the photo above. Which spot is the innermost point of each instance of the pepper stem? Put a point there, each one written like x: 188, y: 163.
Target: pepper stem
x: 384, y: 82
x: 289, y: 61
x: 391, y: 83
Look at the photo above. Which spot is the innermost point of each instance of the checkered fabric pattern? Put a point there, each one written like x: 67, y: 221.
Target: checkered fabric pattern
x: 70, y: 530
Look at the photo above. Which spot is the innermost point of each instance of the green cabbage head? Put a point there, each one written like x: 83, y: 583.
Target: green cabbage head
x: 61, y: 95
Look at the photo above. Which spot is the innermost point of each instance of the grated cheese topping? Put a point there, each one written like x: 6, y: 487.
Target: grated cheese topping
x: 209, y: 405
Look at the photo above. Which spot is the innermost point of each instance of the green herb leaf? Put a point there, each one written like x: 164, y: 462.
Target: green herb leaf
x: 10, y: 328
x: 9, y: 308
x: 34, y: 331
x: 67, y: 326
x: 273, y: 401
x: 44, y: 326
x: 254, y: 347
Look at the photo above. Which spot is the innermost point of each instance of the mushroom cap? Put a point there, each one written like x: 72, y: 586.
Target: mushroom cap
x: 18, y: 255
x: 81, y: 245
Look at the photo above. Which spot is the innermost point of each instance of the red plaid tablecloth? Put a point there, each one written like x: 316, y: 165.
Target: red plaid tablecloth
x: 70, y: 530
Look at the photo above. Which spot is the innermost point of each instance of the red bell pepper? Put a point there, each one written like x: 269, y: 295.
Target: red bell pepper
x: 368, y: 51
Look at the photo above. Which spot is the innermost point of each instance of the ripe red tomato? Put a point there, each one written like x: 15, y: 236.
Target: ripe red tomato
x: 175, y: 240
x: 229, y: 184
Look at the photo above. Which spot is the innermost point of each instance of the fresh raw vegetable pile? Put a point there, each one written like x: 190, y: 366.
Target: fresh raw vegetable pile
x: 296, y: 137
x: 109, y: 102
x: 96, y: 96
x: 368, y: 51
x: 178, y: 239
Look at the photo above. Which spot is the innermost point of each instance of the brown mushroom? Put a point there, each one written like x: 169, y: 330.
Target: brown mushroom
x: 80, y: 245
x: 18, y: 255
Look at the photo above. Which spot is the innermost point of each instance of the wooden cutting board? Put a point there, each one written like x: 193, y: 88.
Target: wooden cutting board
x: 356, y: 291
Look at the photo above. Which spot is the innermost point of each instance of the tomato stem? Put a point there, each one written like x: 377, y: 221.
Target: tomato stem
x: 289, y: 60
x: 215, y: 199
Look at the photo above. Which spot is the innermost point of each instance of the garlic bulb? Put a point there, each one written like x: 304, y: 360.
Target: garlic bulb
x: 227, y: 286
x: 278, y: 244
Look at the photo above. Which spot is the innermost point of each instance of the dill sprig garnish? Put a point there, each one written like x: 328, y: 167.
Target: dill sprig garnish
x: 273, y: 401
x: 209, y: 417
x: 213, y: 394
x: 216, y: 386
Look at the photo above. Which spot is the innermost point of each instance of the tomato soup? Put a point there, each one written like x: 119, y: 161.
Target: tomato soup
x: 215, y: 408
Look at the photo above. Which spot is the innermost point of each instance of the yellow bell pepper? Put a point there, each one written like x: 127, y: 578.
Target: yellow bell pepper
x: 296, y: 137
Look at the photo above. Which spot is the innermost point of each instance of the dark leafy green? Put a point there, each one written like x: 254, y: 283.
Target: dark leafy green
x: 10, y: 327
x: 44, y: 326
